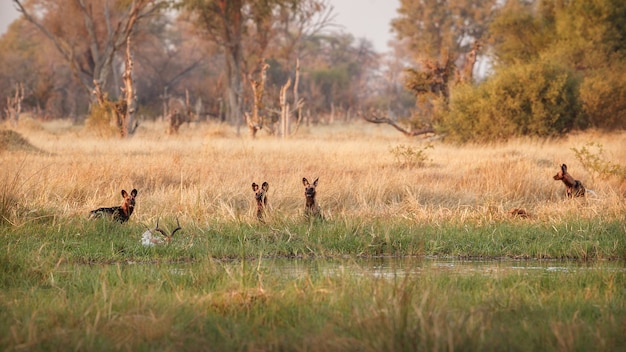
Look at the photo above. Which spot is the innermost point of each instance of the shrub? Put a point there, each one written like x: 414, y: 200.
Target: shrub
x: 603, y: 97
x: 100, y: 121
x: 537, y: 99
x: 408, y: 156
x: 595, y: 162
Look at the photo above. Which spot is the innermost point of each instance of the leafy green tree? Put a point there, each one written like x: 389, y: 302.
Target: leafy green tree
x: 444, y: 36
x: 585, y: 37
x: 521, y: 100
x: 519, y: 33
x: 435, y: 29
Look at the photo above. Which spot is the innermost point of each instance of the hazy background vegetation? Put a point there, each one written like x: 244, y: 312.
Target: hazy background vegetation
x: 556, y: 66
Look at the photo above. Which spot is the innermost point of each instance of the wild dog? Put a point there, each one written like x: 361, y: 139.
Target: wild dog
x: 260, y: 195
x: 311, y: 207
x: 519, y: 212
x: 120, y: 213
x: 573, y: 188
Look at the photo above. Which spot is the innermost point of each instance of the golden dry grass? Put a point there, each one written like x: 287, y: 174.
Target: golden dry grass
x: 206, y: 172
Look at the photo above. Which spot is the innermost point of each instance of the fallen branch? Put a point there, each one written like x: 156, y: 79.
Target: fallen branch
x: 407, y: 132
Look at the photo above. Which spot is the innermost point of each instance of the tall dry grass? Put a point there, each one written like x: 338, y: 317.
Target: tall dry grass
x: 206, y: 173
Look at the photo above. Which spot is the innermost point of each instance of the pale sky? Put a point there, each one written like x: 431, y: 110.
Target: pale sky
x: 7, y: 14
x: 368, y: 19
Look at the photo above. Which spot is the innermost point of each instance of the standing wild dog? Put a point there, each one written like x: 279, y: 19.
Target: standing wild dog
x: 260, y: 195
x: 311, y: 207
x: 573, y: 188
x: 120, y: 213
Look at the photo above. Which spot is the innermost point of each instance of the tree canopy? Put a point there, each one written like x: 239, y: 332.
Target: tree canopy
x: 556, y: 65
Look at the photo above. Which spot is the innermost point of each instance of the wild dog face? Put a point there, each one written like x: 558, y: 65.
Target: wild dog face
x: 120, y: 213
x: 311, y: 208
x: 573, y: 187
x: 260, y: 196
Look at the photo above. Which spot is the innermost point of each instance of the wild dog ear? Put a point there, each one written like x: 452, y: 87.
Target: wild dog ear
x: 133, y: 192
x: 305, y: 182
x: 265, y: 186
x: 255, y: 187
x: 315, y: 182
x: 124, y: 193
x: 564, y: 168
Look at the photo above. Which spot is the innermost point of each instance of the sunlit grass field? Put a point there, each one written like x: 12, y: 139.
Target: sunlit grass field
x: 205, y: 175
x: 73, y: 283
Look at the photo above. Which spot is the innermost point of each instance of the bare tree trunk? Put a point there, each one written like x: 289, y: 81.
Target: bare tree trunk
x: 14, y: 105
x: 234, y: 90
x: 466, y: 75
x: 255, y: 122
x: 179, y: 113
x: 299, y: 103
x: 284, y: 109
x: 166, y: 98
x: 124, y: 109
x: 130, y: 97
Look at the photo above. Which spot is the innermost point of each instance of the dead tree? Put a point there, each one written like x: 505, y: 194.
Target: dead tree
x: 255, y: 121
x: 130, y: 97
x: 125, y: 108
x: 285, y: 112
x: 179, y: 113
x: 14, y: 105
x: 103, y: 43
x: 377, y: 117
x: 466, y: 74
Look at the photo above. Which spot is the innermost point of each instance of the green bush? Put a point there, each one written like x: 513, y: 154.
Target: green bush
x: 537, y: 99
x: 595, y: 162
x: 603, y: 97
x: 407, y: 156
x: 101, y: 121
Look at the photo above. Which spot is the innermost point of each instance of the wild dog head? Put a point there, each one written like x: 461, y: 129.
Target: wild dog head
x: 129, y: 200
x: 119, y: 213
x: 311, y: 207
x: 573, y: 187
x: 260, y: 195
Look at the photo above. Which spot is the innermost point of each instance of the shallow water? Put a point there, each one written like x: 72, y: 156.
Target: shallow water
x: 390, y: 267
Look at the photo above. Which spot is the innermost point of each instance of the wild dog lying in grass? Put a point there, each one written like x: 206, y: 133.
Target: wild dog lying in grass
x: 120, y: 213
x: 311, y: 207
x: 573, y: 188
x: 260, y: 195
x: 149, y: 238
x: 519, y: 212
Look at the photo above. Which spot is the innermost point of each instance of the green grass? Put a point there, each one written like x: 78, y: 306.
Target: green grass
x: 68, y: 283
x: 90, y: 285
x: 104, y: 242
x: 219, y: 305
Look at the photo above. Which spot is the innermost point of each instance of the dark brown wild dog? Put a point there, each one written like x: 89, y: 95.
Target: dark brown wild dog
x: 311, y: 208
x: 573, y: 188
x: 120, y: 213
x: 260, y: 195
